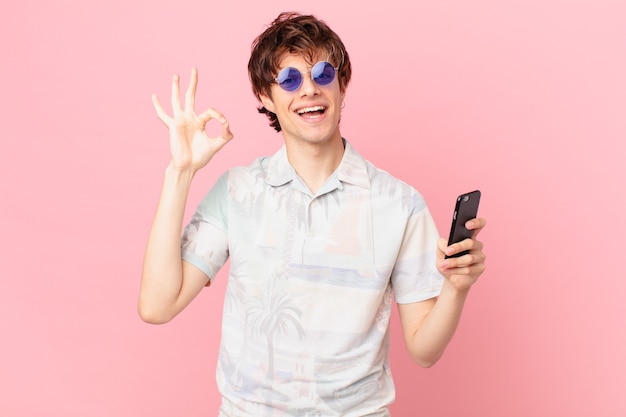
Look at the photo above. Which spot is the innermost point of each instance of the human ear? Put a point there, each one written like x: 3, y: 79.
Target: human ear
x: 267, y: 103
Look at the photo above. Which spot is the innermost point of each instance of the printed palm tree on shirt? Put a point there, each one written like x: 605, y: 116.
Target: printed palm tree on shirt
x: 270, y: 314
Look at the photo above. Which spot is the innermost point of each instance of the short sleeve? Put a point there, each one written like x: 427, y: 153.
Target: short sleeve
x: 415, y: 277
x: 204, y: 242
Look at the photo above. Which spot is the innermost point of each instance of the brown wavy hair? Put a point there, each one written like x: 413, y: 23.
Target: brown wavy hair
x: 293, y: 33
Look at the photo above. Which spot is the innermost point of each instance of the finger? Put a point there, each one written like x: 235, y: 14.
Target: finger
x: 211, y: 113
x: 442, y: 244
x: 473, y: 270
x: 159, y: 109
x: 176, y: 93
x: 441, y: 260
x: 464, y: 263
x: 190, y: 96
x: 464, y: 245
x: 226, y: 133
x: 455, y: 248
x: 476, y: 225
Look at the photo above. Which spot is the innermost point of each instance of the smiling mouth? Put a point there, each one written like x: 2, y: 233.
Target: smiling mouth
x: 311, y: 111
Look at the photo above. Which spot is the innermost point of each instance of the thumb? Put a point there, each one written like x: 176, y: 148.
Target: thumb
x: 442, y: 244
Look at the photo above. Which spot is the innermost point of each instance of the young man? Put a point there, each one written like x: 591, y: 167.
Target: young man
x: 319, y: 240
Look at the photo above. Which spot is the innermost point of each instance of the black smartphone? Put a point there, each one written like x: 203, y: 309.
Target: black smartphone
x: 466, y: 209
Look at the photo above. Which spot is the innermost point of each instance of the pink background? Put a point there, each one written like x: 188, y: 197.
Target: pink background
x: 525, y: 100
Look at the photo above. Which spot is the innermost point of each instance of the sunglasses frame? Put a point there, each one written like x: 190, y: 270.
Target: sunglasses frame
x: 288, y: 70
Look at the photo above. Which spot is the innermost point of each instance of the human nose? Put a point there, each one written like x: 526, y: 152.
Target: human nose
x: 308, y: 87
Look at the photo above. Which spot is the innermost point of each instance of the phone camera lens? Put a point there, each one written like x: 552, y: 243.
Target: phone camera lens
x: 466, y: 198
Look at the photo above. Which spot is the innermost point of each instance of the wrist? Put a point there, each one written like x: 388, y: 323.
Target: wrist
x: 179, y: 176
x: 458, y: 292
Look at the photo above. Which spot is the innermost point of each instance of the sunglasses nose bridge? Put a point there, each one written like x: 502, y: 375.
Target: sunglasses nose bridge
x: 307, y: 84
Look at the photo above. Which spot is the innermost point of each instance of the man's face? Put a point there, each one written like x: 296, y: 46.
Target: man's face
x: 311, y: 112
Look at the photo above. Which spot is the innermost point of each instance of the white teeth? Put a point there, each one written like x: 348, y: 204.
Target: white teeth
x: 310, y: 109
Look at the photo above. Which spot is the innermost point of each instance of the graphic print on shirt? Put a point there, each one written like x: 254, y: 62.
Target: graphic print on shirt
x: 326, y: 350
x: 270, y: 314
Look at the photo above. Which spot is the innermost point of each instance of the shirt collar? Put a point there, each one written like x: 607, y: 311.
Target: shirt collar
x: 351, y: 170
x: 279, y: 170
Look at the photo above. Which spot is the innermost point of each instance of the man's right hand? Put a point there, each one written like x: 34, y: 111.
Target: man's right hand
x: 190, y: 147
x: 167, y: 283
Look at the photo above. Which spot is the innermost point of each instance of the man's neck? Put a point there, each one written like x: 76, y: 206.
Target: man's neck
x: 315, y: 162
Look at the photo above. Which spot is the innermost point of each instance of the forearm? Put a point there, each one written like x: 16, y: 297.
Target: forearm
x: 431, y: 338
x: 162, y: 275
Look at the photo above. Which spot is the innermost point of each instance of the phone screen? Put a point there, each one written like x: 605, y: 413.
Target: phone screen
x: 466, y: 209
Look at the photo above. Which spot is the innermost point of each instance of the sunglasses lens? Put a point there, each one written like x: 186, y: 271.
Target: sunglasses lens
x: 323, y: 73
x: 289, y: 79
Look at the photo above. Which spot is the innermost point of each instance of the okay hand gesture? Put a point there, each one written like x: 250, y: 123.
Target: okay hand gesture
x: 190, y: 147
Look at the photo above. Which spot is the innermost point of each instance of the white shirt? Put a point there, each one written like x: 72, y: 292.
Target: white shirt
x: 305, y: 328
